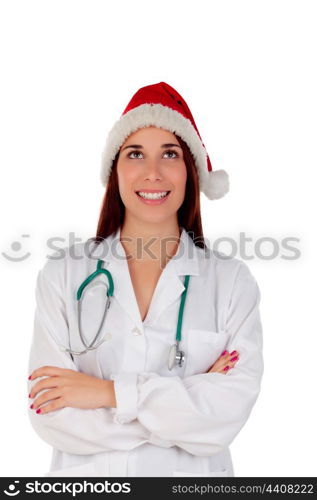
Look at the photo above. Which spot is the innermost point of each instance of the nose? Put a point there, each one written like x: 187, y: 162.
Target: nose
x: 153, y: 170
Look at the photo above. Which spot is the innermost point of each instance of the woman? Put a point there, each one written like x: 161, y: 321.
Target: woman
x: 133, y: 405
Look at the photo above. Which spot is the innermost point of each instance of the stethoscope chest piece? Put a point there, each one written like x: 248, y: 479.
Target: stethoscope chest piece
x: 175, y: 356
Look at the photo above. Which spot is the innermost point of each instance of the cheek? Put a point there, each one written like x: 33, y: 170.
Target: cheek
x: 178, y: 178
x: 126, y: 178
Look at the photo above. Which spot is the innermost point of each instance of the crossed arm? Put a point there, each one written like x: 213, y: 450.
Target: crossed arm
x: 64, y: 387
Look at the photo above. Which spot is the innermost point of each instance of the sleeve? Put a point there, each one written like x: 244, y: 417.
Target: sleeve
x: 73, y: 430
x: 203, y: 413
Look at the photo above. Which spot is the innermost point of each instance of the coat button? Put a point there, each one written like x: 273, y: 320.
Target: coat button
x: 136, y: 331
x: 122, y: 419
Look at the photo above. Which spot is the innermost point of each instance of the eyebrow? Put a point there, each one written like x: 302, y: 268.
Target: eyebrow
x: 139, y: 146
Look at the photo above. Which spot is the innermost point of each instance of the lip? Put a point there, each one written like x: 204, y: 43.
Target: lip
x: 159, y: 201
x: 151, y: 190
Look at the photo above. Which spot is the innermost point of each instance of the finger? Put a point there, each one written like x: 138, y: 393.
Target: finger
x: 230, y: 364
x: 225, y: 359
x: 56, y: 404
x: 44, y: 398
x: 233, y: 359
x: 220, y: 364
x: 46, y: 383
x: 230, y: 357
x: 226, y: 354
x: 53, y: 371
x: 225, y: 369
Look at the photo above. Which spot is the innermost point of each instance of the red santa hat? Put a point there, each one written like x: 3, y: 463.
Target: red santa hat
x: 162, y: 106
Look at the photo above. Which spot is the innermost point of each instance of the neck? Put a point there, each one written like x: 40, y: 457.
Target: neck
x: 150, y: 242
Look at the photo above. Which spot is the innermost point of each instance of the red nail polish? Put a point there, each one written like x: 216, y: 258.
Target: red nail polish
x: 234, y: 352
x: 233, y: 359
x: 31, y: 406
x: 38, y: 410
x: 29, y: 395
x: 226, y: 368
x: 224, y: 352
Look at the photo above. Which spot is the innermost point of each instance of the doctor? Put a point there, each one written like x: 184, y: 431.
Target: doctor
x: 128, y: 404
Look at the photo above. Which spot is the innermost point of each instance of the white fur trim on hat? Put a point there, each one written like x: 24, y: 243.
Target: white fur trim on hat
x: 214, y: 184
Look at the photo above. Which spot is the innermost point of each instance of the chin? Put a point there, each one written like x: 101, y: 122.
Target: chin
x: 149, y: 218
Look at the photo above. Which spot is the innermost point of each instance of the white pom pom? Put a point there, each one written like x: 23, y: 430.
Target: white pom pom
x: 215, y: 184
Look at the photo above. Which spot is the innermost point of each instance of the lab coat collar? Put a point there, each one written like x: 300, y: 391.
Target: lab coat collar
x: 169, y: 286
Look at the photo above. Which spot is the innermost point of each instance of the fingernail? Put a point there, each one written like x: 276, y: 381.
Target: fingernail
x: 234, y: 352
x: 38, y: 410
x: 233, y: 359
x: 30, y: 395
x: 226, y: 368
x: 31, y: 406
x: 30, y: 376
x: 224, y: 352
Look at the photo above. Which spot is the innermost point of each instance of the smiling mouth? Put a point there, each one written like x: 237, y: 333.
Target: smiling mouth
x: 154, y: 195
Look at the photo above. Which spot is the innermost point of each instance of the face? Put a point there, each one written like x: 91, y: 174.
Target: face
x: 151, y: 161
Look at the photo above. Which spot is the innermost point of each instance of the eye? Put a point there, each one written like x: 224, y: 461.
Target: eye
x: 134, y: 152
x: 172, y: 151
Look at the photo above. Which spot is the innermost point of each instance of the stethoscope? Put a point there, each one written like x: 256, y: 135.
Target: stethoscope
x: 176, y: 355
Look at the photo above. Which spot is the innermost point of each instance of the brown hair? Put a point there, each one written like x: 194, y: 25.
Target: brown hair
x: 189, y: 217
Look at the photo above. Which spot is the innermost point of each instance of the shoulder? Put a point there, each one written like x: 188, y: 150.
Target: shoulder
x: 219, y: 262
x: 230, y: 272
x: 60, y: 262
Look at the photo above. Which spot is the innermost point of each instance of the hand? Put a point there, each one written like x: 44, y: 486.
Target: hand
x: 69, y: 388
x: 225, y: 362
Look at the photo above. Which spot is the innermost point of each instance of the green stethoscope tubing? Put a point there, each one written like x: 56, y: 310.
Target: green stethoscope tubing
x: 99, y: 270
x: 110, y: 291
x: 181, y: 310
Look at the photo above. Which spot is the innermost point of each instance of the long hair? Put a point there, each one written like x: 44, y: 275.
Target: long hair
x: 188, y: 215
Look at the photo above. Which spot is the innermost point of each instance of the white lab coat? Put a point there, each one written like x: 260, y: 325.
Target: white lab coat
x: 166, y: 423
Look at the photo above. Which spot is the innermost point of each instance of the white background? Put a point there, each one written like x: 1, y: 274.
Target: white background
x: 247, y: 70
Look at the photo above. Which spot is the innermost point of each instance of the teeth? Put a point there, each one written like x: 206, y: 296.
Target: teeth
x: 153, y: 196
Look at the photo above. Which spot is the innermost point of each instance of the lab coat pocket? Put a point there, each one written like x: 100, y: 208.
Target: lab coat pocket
x: 203, y: 348
x: 214, y: 473
x: 82, y: 470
